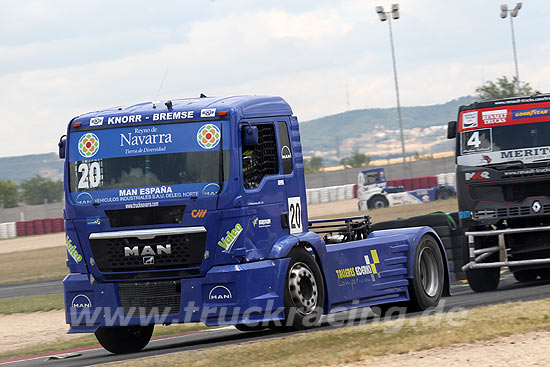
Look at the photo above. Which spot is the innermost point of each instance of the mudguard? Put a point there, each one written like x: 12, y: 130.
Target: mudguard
x: 282, y: 247
x: 415, y: 234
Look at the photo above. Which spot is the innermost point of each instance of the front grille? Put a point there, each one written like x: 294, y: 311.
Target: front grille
x: 150, y: 298
x: 514, y: 211
x: 134, y: 254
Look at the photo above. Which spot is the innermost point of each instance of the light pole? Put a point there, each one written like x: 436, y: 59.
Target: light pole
x: 513, y: 13
x: 394, y: 13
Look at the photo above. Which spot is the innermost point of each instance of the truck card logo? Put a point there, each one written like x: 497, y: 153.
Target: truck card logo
x: 486, y: 159
x: 368, y: 269
x: 71, y: 249
x: 481, y: 175
x: 469, y: 120
x: 88, y: 145
x: 531, y: 112
x: 220, y: 293
x: 536, y: 206
x: 208, y: 112
x: 93, y: 221
x: 494, y: 117
x: 198, y: 213
x: 96, y: 121
x: 81, y: 301
x: 229, y: 240
x: 208, y: 136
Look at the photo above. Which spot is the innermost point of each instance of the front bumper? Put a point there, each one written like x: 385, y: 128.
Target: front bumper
x: 228, y: 294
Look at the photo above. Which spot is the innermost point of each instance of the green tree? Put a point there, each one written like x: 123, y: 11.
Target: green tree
x: 39, y: 189
x: 503, y: 88
x: 313, y: 164
x: 356, y: 160
x: 8, y: 194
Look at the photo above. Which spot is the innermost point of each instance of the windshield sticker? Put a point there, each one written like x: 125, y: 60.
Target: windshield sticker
x: 88, y: 145
x: 469, y: 120
x: 476, y: 141
x: 229, y: 240
x: 146, y: 140
x: 531, y: 112
x: 130, y: 195
x: 71, y: 249
x: 208, y: 136
x: 494, y: 117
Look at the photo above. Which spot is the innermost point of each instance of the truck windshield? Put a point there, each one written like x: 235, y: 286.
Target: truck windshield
x: 523, y: 142
x: 146, y: 163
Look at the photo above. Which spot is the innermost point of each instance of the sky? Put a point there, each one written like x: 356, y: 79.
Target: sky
x: 62, y: 58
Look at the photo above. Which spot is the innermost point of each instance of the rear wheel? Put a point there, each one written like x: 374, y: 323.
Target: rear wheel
x: 124, y: 339
x: 443, y: 194
x: 304, y: 291
x: 427, y: 284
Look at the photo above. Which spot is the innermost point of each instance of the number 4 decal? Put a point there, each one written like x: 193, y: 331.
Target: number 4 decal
x: 295, y: 215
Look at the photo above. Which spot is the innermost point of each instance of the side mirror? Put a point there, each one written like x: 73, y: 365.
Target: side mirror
x: 62, y: 145
x: 250, y: 135
x: 451, y: 130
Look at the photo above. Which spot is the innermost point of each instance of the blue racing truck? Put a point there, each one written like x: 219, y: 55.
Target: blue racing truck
x: 194, y: 210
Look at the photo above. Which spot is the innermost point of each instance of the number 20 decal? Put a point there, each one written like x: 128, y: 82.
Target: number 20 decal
x: 91, y: 175
x: 295, y: 215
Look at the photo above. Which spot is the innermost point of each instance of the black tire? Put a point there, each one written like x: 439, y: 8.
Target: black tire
x: 483, y: 280
x: 250, y: 327
x: 124, y: 339
x: 430, y: 220
x: 378, y: 202
x: 426, y: 286
x: 304, y: 294
x: 443, y: 194
x: 442, y: 231
x: 525, y: 275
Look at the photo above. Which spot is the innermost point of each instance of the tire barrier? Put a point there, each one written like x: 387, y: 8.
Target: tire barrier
x: 31, y: 227
x: 331, y: 193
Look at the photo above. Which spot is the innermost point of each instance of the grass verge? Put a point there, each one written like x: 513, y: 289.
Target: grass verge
x: 89, y: 340
x: 50, y: 302
x: 352, y: 344
x: 33, y: 265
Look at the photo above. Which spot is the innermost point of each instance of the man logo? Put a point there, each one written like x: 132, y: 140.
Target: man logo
x: 220, y: 293
x: 81, y: 301
x: 148, y: 260
x: 148, y: 250
x: 285, y: 152
x: 198, y: 213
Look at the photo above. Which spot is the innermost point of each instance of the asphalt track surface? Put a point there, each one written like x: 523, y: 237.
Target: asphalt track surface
x: 31, y: 289
x: 509, y: 291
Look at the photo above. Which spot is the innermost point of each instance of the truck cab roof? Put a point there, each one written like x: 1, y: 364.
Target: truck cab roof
x: 506, y: 101
x: 184, y: 109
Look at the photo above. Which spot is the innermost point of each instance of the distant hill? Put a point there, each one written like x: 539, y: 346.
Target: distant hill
x: 23, y: 167
x: 375, y: 131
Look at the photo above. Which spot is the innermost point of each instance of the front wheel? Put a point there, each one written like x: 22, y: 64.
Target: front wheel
x: 426, y: 287
x: 124, y: 339
x: 304, y: 294
x: 378, y: 202
x: 484, y: 279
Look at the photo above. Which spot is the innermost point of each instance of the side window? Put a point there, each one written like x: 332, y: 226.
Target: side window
x: 286, y: 152
x: 261, y: 159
